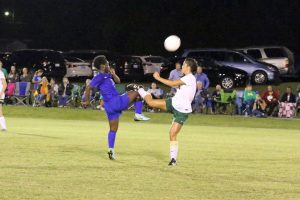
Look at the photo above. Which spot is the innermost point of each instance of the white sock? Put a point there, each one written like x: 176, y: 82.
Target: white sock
x: 2, y: 123
x: 143, y: 93
x: 173, y: 149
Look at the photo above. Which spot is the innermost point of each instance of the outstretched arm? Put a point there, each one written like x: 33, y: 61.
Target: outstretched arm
x: 168, y: 82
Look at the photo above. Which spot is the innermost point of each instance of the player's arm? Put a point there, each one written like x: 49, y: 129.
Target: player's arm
x: 88, y: 90
x: 167, y: 82
x: 115, y: 76
x: 4, y: 84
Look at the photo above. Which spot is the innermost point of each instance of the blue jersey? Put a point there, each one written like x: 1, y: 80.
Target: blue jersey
x: 104, y: 83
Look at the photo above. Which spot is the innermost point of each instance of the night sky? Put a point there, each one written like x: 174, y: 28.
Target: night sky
x: 140, y: 26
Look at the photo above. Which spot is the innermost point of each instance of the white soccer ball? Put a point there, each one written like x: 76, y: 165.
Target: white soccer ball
x: 172, y: 43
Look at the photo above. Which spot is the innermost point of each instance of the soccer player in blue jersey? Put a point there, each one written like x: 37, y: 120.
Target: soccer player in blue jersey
x: 114, y: 103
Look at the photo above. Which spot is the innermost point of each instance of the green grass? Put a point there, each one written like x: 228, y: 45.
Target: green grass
x: 61, y: 154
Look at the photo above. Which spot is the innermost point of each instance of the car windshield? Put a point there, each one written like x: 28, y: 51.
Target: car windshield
x: 154, y: 59
x: 73, y: 59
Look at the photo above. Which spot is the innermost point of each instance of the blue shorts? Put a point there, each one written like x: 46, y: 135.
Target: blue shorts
x: 116, y: 105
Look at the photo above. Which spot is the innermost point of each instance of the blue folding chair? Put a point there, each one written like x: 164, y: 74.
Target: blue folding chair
x: 22, y: 93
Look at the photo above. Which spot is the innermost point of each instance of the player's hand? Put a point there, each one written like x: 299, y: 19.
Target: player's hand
x: 156, y: 75
x: 112, y: 71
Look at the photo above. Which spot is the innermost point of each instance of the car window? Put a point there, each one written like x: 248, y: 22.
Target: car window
x: 200, y: 54
x: 235, y: 57
x: 217, y: 55
x: 255, y: 53
x: 274, y: 52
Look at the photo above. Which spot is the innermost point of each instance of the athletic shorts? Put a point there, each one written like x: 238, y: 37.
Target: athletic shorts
x: 178, y: 117
x: 116, y: 105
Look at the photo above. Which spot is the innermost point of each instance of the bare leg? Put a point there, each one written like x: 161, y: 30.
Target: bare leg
x: 155, y: 103
x: 174, y: 130
x: 133, y: 95
x: 114, y: 125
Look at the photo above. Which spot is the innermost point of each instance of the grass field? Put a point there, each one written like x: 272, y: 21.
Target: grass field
x: 61, y: 154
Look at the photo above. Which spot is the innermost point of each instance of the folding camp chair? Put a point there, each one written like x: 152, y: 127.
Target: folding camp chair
x: 75, y: 98
x: 227, y: 102
x: 22, y: 93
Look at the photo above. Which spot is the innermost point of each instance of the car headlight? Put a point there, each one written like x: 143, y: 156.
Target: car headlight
x: 238, y: 75
x: 271, y: 68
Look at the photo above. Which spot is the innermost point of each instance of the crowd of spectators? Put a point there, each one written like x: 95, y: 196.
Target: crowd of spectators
x: 247, y: 102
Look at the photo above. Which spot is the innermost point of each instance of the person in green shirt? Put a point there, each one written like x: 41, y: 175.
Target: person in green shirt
x: 249, y: 98
x: 3, y: 69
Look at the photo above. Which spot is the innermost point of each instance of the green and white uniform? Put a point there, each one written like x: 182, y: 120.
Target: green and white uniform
x: 181, y: 104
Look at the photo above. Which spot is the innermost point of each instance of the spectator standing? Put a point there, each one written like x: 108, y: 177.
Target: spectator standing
x: 175, y: 74
x: 249, y: 98
x: 3, y: 69
x: 199, y: 100
x: 271, y: 98
x: 200, y: 76
x: 13, y: 75
x: 64, y: 91
x: 259, y: 107
x: 25, y: 77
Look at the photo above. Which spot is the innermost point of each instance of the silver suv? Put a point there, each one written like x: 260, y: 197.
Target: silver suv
x: 258, y: 72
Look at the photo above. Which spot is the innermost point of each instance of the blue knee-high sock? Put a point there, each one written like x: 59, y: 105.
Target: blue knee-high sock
x: 138, y: 106
x: 111, y: 139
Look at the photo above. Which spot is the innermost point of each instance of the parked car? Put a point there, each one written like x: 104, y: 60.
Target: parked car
x: 50, y: 61
x: 90, y: 54
x: 258, y: 72
x: 280, y: 56
x: 129, y: 68
x: 227, y: 77
x: 152, y: 64
x: 77, y: 67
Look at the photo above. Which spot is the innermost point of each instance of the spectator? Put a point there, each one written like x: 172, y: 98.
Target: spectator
x: 175, y: 74
x: 3, y: 69
x: 201, y: 100
x: 25, y: 77
x: 53, y: 91
x: 200, y: 76
x: 43, y: 93
x: 249, y: 98
x: 259, y: 107
x: 64, y: 91
x: 87, y: 82
x: 37, y: 78
x: 287, y: 104
x: 216, y: 96
x: 271, y: 98
x: 239, y: 102
x: 13, y: 75
x: 155, y: 91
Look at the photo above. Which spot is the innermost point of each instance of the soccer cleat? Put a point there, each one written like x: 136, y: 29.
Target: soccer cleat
x: 133, y: 87
x: 140, y: 117
x: 3, y: 130
x: 172, y: 162
x: 111, y: 155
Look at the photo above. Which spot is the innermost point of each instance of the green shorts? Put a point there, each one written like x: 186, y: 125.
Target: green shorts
x: 178, y: 117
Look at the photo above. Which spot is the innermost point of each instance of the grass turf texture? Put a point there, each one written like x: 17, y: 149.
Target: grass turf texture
x: 61, y: 154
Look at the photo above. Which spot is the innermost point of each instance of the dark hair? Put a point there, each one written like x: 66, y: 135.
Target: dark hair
x: 192, y: 63
x: 100, y: 60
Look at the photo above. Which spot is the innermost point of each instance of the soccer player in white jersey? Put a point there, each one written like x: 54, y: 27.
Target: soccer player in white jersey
x: 179, y: 105
x: 3, y: 86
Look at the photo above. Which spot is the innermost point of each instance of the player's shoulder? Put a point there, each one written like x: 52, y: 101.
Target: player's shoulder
x: 2, y: 74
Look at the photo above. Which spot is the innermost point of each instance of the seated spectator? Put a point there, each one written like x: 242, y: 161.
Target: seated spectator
x: 43, y: 93
x: 287, y: 104
x: 9, y: 92
x: 13, y: 75
x: 53, y: 91
x: 216, y: 96
x: 25, y: 77
x: 37, y: 78
x: 239, y: 102
x: 248, y: 98
x: 87, y: 82
x: 155, y: 92
x: 271, y: 98
x: 3, y: 69
x: 64, y: 92
x: 202, y: 99
x: 259, y: 107
x: 298, y: 95
x: 200, y: 76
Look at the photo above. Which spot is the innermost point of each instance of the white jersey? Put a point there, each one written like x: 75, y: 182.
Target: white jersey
x: 1, y: 86
x: 182, y: 101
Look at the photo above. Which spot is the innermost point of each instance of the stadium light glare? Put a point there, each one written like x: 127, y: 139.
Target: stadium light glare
x: 6, y: 13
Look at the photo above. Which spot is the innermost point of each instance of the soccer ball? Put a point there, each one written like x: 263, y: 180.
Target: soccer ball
x: 172, y: 43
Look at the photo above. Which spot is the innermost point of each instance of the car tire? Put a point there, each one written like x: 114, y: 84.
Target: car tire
x: 259, y: 77
x: 227, y: 82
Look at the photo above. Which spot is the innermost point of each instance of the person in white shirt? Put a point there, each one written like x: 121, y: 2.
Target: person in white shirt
x: 179, y: 105
x: 3, y: 86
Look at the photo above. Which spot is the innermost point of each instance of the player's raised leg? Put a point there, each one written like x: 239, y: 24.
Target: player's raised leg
x: 154, y: 103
